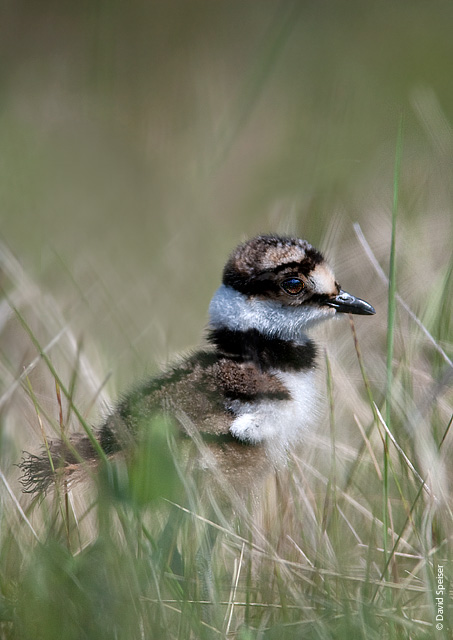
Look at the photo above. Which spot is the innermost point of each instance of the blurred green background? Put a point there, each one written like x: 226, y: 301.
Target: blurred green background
x: 141, y: 141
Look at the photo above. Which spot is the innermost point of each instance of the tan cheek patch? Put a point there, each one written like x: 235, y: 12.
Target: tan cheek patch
x: 323, y: 280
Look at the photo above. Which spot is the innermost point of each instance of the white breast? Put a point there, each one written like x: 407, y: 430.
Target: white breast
x: 280, y: 424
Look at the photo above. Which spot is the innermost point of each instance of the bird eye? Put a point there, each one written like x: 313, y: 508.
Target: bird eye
x: 293, y: 286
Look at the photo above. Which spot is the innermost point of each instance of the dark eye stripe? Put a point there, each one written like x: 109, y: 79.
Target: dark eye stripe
x: 293, y: 286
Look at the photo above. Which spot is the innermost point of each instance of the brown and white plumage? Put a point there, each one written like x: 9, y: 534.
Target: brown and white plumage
x: 251, y: 394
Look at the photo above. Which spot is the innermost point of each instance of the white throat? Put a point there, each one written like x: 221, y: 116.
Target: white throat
x: 234, y: 310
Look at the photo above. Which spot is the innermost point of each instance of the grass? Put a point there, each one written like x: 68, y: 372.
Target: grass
x: 143, y: 548
x: 348, y: 541
x: 390, y: 339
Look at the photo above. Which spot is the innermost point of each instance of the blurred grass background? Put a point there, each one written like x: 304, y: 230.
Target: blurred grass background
x: 139, y: 143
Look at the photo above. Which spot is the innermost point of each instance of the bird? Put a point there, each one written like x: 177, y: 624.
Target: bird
x: 249, y: 395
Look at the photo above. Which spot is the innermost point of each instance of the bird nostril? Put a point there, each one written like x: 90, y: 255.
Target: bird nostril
x: 344, y: 296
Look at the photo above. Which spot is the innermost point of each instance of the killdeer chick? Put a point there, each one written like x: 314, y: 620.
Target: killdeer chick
x: 250, y: 396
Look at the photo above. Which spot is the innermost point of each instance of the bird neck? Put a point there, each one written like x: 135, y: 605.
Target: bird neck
x: 265, y: 352
x: 237, y: 311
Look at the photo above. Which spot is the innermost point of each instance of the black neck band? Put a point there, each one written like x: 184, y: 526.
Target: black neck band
x: 264, y: 351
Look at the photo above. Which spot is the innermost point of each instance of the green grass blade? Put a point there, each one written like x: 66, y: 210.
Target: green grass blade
x: 391, y: 330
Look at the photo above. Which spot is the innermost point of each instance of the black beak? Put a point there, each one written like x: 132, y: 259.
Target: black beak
x: 345, y: 303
